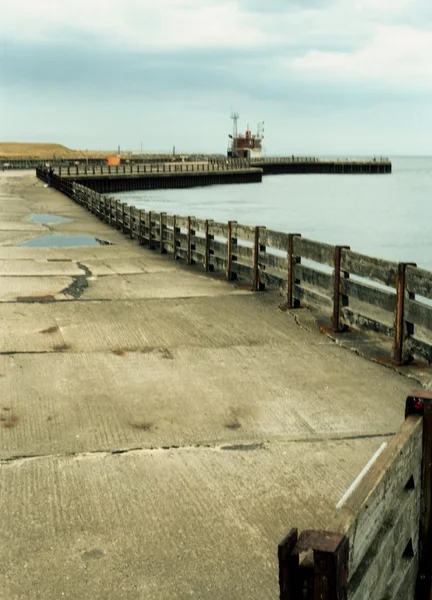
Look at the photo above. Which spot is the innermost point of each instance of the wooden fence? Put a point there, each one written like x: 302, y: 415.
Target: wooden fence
x: 379, y: 545
x: 149, y: 168
x: 353, y: 289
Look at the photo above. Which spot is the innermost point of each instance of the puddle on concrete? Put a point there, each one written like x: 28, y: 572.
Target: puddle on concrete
x: 61, y: 241
x: 44, y: 218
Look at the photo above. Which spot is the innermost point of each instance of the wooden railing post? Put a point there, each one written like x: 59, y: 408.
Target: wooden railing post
x: 150, y: 243
x: 403, y: 330
x: 331, y: 567
x: 230, y: 241
x: 131, y: 227
x: 257, y: 286
x: 292, y: 262
x: 123, y: 221
x: 176, y: 231
x: 208, y: 238
x: 162, y: 228
x: 288, y: 567
x: 338, y: 298
x: 189, y: 245
x: 420, y: 402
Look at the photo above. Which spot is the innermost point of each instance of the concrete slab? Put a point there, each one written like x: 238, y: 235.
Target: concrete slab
x: 24, y: 289
x: 24, y: 268
x: 160, y: 431
x: 159, y: 524
x: 172, y: 284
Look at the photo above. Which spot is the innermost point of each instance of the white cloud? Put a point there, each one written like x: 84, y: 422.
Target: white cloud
x: 137, y: 23
x: 394, y: 55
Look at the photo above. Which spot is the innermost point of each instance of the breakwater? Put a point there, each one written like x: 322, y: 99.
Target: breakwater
x: 350, y: 289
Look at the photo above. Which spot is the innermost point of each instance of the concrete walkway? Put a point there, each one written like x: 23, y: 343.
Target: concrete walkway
x: 161, y: 430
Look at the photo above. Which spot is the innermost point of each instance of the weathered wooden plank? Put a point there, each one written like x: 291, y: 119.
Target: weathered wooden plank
x: 243, y: 253
x: 274, y: 239
x: 312, y: 298
x: 421, y: 348
x: 369, y: 294
x: 358, y: 320
x: 197, y: 224
x: 182, y: 222
x: 272, y: 261
x: 408, y: 582
x: 218, y: 248
x: 169, y: 221
x: 220, y: 229
x: 374, y: 574
x: 242, y: 271
x: 316, y: 251
x: 314, y: 278
x: 198, y: 257
x: 418, y: 313
x: 272, y: 281
x: 378, y: 493
x: 375, y: 269
x: 243, y: 232
x: 168, y: 247
x: 419, y: 281
x: 218, y: 263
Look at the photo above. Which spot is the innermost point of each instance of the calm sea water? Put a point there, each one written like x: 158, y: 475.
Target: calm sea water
x: 388, y: 216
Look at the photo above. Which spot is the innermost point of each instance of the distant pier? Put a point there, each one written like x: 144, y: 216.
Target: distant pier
x: 310, y: 165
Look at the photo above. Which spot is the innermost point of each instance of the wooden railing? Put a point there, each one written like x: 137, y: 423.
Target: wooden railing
x: 351, y: 289
x: 308, y: 159
x: 379, y: 545
x: 149, y: 168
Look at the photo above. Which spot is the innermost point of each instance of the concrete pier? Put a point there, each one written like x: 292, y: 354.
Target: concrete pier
x: 161, y: 429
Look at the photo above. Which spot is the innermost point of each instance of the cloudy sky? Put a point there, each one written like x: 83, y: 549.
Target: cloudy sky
x: 326, y: 76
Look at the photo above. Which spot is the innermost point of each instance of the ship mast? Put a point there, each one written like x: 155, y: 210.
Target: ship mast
x: 235, y: 117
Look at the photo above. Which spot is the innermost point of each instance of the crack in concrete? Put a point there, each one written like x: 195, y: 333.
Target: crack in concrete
x: 240, y: 447
x: 79, y: 283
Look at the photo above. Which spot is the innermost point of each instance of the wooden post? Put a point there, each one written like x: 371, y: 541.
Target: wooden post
x: 230, y: 241
x: 402, y: 329
x: 420, y: 402
x: 175, y: 233
x: 288, y: 567
x: 150, y: 243
x: 161, y: 232
x: 257, y: 286
x: 123, y: 223
x: 337, y: 289
x: 208, y: 239
x: 292, y: 262
x: 189, y: 248
x: 331, y: 567
x: 131, y: 226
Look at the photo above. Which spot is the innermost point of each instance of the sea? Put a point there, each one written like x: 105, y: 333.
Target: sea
x: 386, y: 216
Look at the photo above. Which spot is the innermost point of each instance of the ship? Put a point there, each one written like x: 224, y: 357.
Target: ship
x: 247, y: 145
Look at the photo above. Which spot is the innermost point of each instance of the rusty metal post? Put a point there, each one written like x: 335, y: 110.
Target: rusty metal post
x: 208, y: 239
x: 420, y: 402
x: 337, y: 289
x: 402, y: 330
x: 257, y: 286
x: 161, y: 232
x: 229, y: 274
x: 292, y: 262
x: 288, y: 567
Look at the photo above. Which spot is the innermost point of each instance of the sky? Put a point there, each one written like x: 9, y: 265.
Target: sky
x: 328, y: 77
